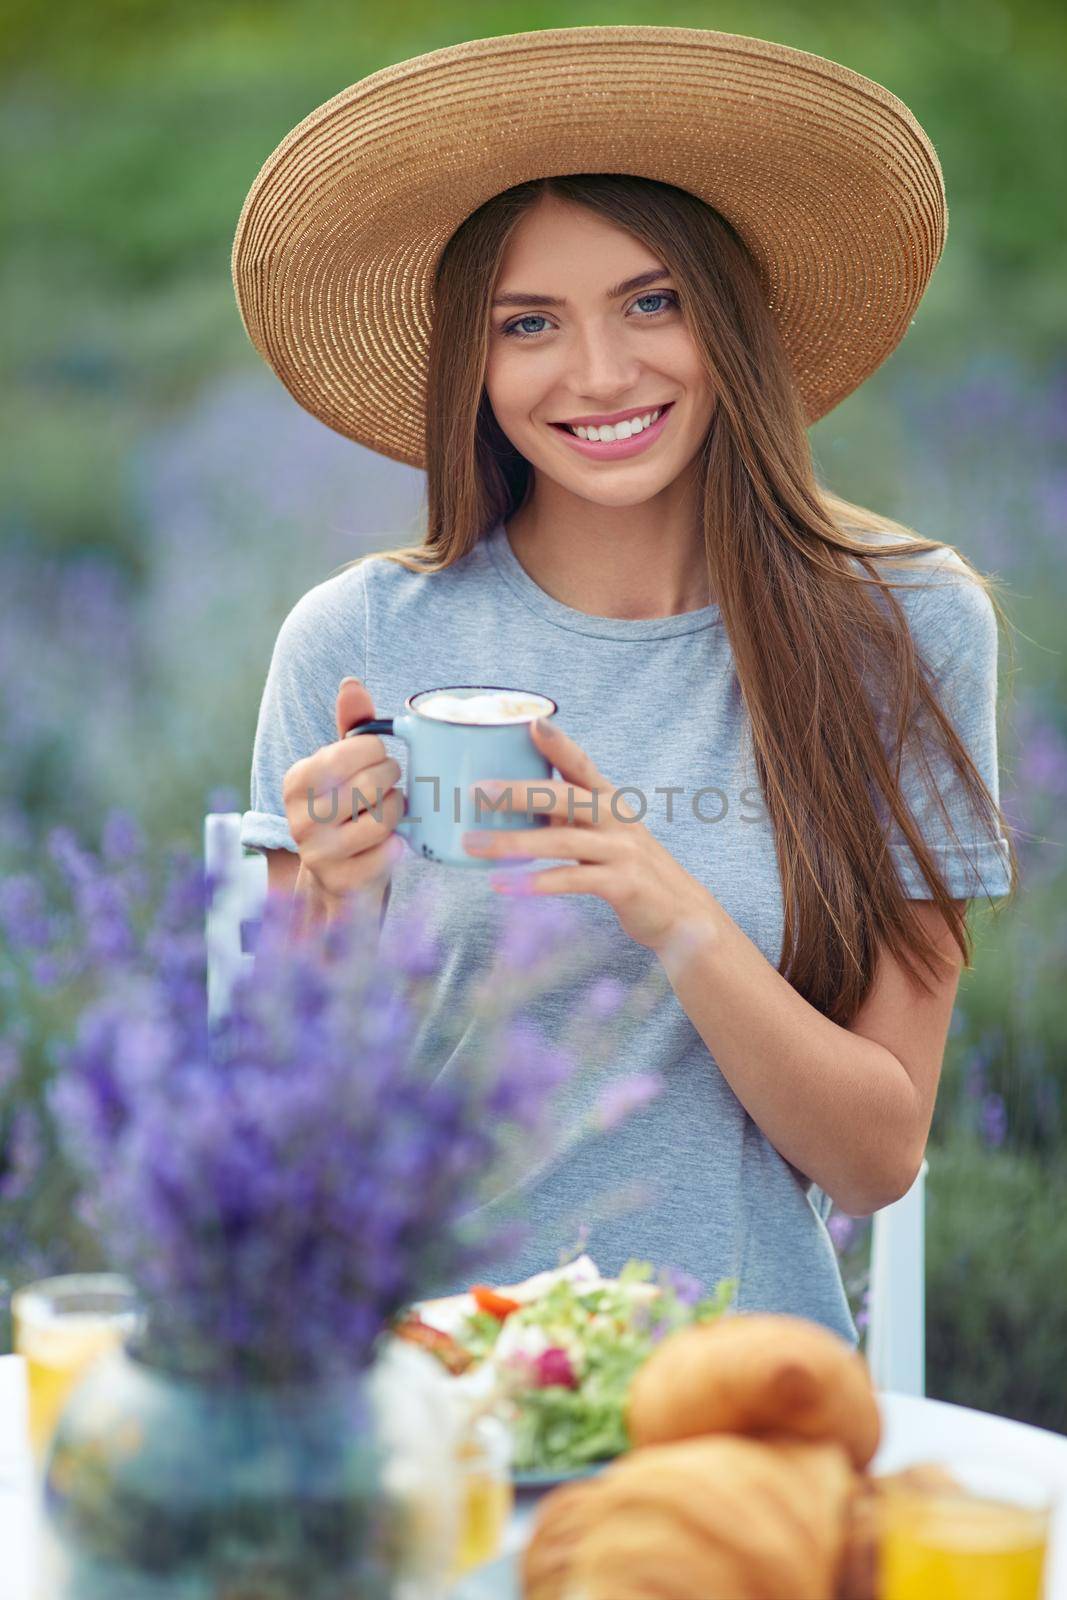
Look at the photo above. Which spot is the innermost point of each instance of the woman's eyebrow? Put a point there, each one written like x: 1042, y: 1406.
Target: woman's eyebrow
x: 516, y: 297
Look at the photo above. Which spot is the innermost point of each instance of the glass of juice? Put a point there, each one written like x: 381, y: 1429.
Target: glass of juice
x: 61, y: 1326
x: 982, y: 1536
x: 487, y: 1494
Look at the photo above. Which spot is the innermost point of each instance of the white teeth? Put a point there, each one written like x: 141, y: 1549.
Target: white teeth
x: 621, y: 430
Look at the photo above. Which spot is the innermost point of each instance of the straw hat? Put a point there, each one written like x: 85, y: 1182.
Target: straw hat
x: 827, y: 177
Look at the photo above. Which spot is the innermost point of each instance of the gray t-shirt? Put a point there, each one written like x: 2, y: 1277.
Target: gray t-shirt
x: 657, y: 705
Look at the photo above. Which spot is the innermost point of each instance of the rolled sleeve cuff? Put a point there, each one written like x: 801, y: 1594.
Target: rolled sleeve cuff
x: 983, y: 870
x: 261, y: 830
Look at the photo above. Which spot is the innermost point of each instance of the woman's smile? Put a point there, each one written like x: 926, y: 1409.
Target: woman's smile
x: 613, y: 441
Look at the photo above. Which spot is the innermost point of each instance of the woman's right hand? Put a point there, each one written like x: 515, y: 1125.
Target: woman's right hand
x: 341, y: 852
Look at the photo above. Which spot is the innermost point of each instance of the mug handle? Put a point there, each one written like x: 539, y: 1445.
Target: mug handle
x: 383, y: 725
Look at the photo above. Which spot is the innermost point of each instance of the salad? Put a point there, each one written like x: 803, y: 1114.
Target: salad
x: 558, y: 1353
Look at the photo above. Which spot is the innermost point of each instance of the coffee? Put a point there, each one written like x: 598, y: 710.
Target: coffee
x: 488, y: 708
x: 449, y: 749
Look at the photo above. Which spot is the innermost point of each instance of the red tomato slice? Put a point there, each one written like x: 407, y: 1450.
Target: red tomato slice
x: 497, y: 1305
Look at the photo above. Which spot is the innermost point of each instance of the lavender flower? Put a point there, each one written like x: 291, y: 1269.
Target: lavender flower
x: 280, y: 1184
x: 841, y: 1229
x: 20, y: 1155
x: 581, y: 1239
x: 994, y: 1120
x: 606, y: 997
x: 975, y: 1078
x: 122, y: 837
x: 544, y: 929
x: 22, y: 911
x: 684, y: 1285
x: 621, y: 1099
x: 10, y: 1064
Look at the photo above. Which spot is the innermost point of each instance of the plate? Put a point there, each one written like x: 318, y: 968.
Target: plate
x: 553, y: 1475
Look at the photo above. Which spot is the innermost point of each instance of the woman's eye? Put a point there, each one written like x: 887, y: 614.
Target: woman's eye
x: 514, y: 327
x: 514, y: 330
x: 658, y: 295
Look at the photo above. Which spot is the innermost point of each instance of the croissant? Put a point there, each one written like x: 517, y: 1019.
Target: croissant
x: 755, y: 1374
x: 558, y: 1523
x: 718, y: 1518
x: 857, y: 1577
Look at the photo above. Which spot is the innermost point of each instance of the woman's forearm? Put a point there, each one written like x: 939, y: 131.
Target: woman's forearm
x: 839, y: 1107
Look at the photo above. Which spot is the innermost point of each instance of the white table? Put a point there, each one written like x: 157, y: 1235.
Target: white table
x: 914, y: 1430
x: 925, y: 1430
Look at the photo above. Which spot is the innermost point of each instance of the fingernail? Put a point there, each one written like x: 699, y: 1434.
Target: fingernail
x: 545, y: 726
x: 347, y: 680
x: 507, y: 884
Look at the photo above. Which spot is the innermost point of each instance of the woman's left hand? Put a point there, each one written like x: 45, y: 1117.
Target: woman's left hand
x: 617, y: 859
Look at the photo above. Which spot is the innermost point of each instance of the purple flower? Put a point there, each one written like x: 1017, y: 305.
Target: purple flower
x: 280, y: 1184
x: 581, y: 1239
x: 224, y: 798
x: 606, y: 997
x: 994, y: 1120
x: 842, y: 1229
x: 629, y: 1094
x: 51, y: 970
x: 684, y: 1285
x: 122, y: 837
x: 63, y: 848
x: 535, y: 932
x: 23, y: 917
x: 10, y: 1064
x: 976, y: 1076
x: 20, y: 1155
x: 412, y: 948
x: 1043, y: 760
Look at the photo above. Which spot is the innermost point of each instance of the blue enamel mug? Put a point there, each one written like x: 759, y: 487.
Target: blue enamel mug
x: 447, y: 756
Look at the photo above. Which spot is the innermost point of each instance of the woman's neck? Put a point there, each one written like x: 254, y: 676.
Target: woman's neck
x: 626, y: 564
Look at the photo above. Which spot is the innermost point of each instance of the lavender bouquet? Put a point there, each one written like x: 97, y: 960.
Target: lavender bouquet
x: 278, y: 1185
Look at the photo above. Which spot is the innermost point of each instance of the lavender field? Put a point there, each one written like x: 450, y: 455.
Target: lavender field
x: 165, y: 503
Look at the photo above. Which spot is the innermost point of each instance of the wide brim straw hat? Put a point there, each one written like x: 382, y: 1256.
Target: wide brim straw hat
x: 827, y: 177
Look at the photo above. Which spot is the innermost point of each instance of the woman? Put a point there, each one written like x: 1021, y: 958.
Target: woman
x: 795, y: 697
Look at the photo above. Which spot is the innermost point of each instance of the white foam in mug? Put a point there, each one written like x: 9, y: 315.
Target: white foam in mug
x: 493, y: 706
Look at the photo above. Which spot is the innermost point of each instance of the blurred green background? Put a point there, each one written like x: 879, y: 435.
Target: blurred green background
x: 165, y: 502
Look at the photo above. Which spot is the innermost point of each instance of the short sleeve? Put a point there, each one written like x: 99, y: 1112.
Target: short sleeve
x: 955, y: 628
x: 322, y: 640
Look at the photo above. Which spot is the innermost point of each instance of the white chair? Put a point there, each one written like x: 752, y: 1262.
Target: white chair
x: 897, y: 1307
x: 235, y: 907
x: 896, y: 1332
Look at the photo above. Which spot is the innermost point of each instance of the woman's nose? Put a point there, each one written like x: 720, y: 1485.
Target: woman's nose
x: 603, y: 366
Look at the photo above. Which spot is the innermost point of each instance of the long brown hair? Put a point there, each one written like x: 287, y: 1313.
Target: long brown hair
x: 811, y: 622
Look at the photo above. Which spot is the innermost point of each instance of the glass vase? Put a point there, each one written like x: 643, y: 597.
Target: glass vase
x: 165, y: 1487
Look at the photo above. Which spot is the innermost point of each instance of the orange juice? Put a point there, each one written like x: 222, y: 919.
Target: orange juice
x: 61, y: 1326
x: 487, y: 1494
x: 946, y: 1547
x: 485, y: 1508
